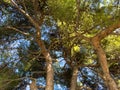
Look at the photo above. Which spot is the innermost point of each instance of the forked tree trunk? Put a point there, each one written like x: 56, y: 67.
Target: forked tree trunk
x: 110, y: 83
x: 74, y: 78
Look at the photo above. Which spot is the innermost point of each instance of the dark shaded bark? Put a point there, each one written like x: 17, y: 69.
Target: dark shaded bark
x: 74, y: 78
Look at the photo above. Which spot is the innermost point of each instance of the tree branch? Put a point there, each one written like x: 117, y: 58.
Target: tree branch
x: 107, y: 31
x: 15, y: 29
x: 29, y: 17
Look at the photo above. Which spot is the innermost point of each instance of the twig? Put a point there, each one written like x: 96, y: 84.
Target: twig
x: 15, y: 29
x: 29, y: 17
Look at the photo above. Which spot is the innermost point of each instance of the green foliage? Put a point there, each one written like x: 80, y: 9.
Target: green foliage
x: 112, y: 42
x: 7, y: 79
x: 94, y: 16
x: 7, y: 1
x: 62, y: 10
x: 86, y: 21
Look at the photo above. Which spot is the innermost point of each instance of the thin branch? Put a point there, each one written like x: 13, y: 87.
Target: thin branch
x: 15, y: 29
x: 29, y: 17
x: 22, y: 11
x: 23, y: 2
x: 11, y: 80
x: 38, y: 72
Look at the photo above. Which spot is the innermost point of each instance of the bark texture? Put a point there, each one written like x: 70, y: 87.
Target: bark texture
x: 109, y: 81
x: 74, y: 78
x: 49, y: 68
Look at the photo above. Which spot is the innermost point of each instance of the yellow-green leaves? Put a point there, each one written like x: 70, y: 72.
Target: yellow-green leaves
x: 7, y: 1
x: 86, y: 21
x: 75, y: 49
x: 113, y: 42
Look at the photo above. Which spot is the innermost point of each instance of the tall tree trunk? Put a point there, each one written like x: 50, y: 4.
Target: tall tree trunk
x: 49, y: 68
x: 103, y: 62
x: 74, y: 78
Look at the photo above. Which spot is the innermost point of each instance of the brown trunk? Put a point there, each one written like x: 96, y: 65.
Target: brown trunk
x: 50, y: 73
x: 49, y: 77
x: 74, y: 78
x: 49, y: 68
x: 103, y: 62
x: 33, y: 85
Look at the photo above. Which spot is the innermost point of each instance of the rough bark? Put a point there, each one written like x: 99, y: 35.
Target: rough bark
x: 74, y: 78
x: 109, y: 81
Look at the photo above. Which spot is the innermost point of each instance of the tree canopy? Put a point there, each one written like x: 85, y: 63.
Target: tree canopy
x: 59, y: 44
